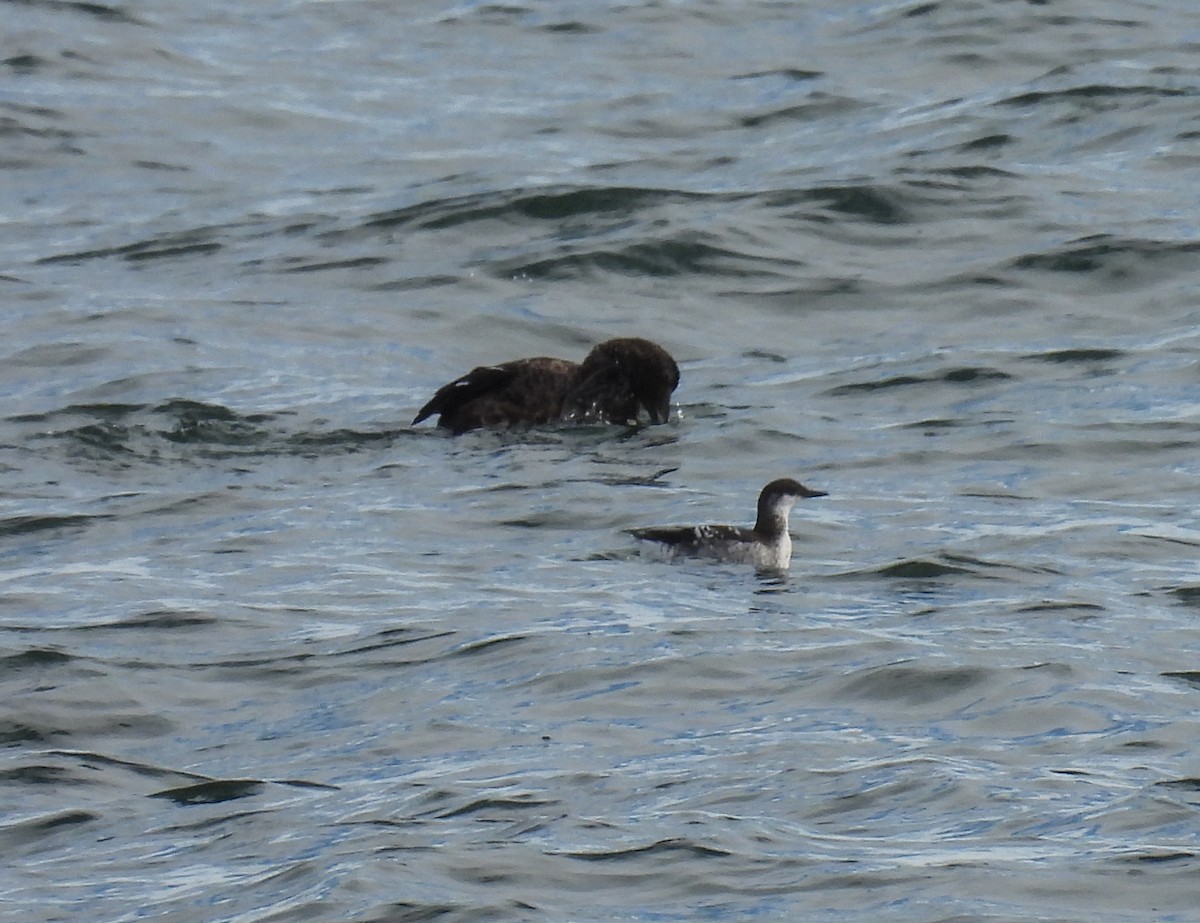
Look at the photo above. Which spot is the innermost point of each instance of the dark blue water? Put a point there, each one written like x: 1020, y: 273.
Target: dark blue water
x: 269, y: 653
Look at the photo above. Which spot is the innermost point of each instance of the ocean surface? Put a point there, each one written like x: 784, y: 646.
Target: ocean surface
x: 270, y: 653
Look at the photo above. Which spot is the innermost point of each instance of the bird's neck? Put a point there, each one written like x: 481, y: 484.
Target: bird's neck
x: 772, y: 520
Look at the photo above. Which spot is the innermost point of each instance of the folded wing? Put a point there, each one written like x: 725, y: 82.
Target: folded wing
x: 522, y: 392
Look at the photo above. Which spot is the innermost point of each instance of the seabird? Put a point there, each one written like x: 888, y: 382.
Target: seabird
x: 617, y: 381
x: 767, y: 546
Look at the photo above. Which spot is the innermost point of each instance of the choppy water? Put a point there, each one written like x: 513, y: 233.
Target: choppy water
x: 268, y: 653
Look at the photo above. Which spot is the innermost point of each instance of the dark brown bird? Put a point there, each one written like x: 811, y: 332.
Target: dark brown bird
x: 617, y: 381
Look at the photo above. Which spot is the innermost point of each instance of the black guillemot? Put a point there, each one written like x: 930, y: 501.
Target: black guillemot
x: 767, y: 546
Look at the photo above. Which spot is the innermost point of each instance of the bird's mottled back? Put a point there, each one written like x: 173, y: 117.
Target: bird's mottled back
x: 528, y: 391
